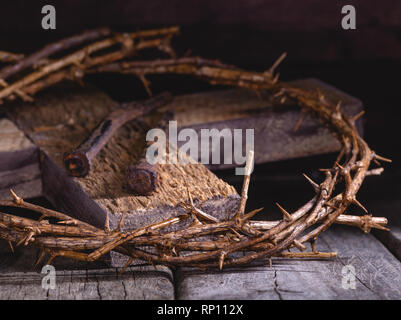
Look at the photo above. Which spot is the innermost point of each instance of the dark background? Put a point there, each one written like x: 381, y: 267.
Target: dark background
x: 365, y: 62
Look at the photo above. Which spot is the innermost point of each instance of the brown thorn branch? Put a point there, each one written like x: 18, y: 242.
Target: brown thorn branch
x: 247, y: 176
x: 10, y: 57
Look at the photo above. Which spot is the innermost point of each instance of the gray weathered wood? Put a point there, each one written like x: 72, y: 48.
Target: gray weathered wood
x: 19, y: 163
x: 384, y: 200
x: 104, y: 284
x: 378, y: 274
x: 274, y: 135
x: 19, y: 280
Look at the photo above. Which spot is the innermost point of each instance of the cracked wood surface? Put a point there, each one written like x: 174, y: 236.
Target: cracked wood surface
x: 386, y: 200
x: 378, y: 274
x: 19, y: 280
x: 19, y: 163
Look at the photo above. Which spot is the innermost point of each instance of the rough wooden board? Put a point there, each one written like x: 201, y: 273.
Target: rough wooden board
x: 378, y: 274
x: 19, y: 163
x: 104, y: 284
x: 273, y: 126
x: 392, y: 239
x: 384, y: 200
x: 76, y: 280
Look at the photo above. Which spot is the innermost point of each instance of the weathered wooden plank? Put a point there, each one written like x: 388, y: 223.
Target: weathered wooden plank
x: 376, y: 268
x: 19, y: 163
x: 390, y: 209
x: 19, y: 280
x: 104, y: 284
x: 381, y: 198
x: 274, y: 135
x: 377, y: 274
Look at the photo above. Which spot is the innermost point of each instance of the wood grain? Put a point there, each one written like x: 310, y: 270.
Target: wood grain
x: 377, y: 274
x: 19, y: 163
x: 19, y: 280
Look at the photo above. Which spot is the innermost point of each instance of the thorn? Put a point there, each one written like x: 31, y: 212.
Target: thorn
x: 299, y: 245
x: 121, y: 223
x: 42, y: 255
x: 313, y: 245
x: 11, y: 246
x: 337, y: 113
x: 130, y: 260
x: 29, y: 237
x: 331, y: 206
x: 282, y: 100
x: 174, y: 251
x: 270, y: 263
x: 383, y: 158
x: 279, y: 93
x: 20, y: 241
x: 380, y: 227
x: 17, y: 199
x: 357, y: 116
x: 320, y: 95
x: 52, y: 257
x: 251, y: 214
x: 236, y: 232
x: 195, y: 222
x: 338, y: 106
x: 287, y: 216
x: 107, y: 223
x: 300, y: 120
x: 315, y: 186
x: 146, y: 84
x: 275, y: 79
x: 377, y: 162
x: 221, y: 259
x: 276, y: 63
x: 356, y: 202
x: 339, y: 165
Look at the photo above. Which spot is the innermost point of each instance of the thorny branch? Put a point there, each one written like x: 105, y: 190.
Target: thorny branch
x: 206, y: 242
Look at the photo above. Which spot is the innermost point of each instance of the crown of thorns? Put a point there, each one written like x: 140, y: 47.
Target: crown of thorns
x: 207, y: 242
